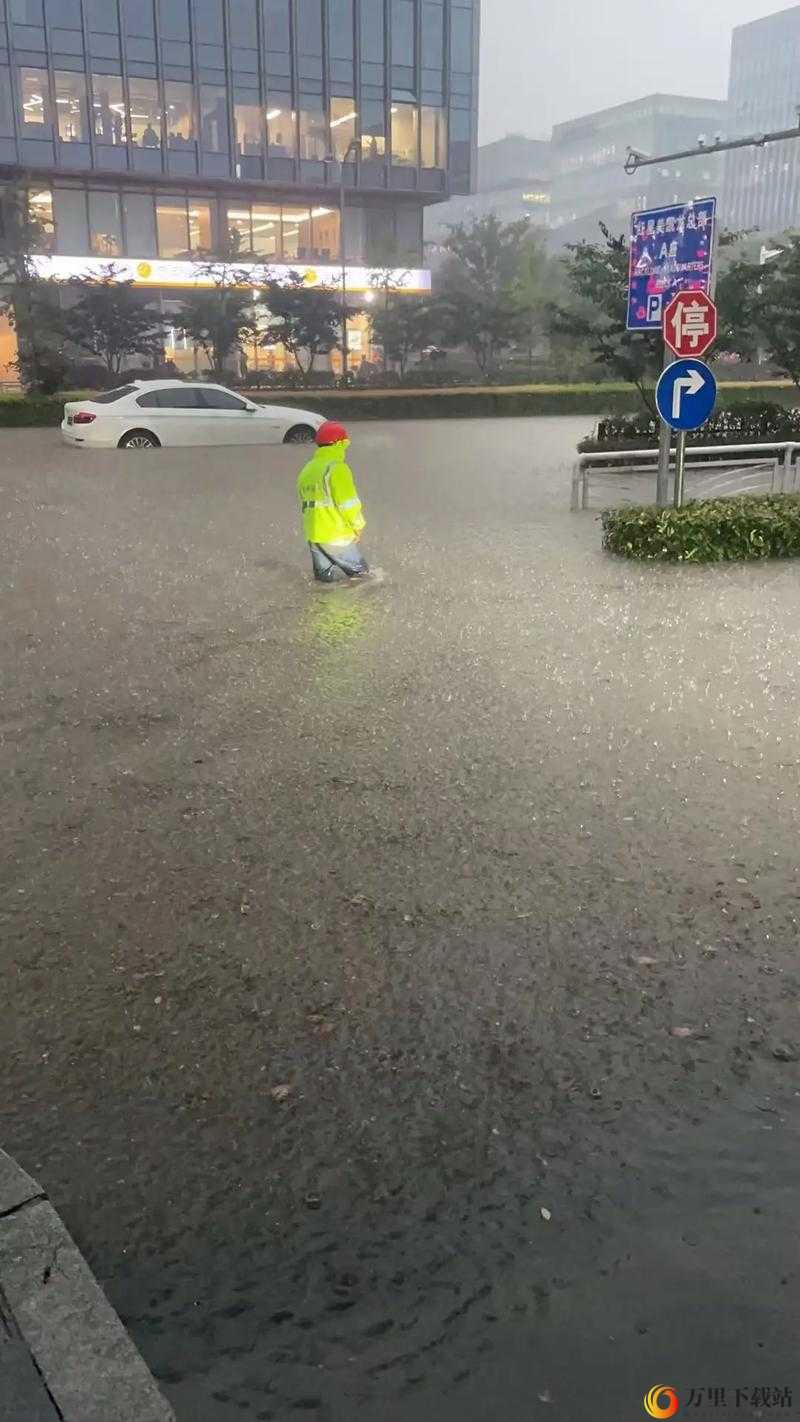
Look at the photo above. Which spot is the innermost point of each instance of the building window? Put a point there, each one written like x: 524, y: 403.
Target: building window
x: 240, y: 230
x: 214, y: 118
x: 243, y: 30
x: 313, y: 137
x: 461, y: 41
x: 72, y: 232
x: 200, y: 233
x: 373, y: 130
x: 281, y: 132
x: 36, y: 122
x: 276, y: 19
x: 432, y: 35
x: 105, y: 224
x: 248, y: 121
x: 71, y: 109
x: 40, y: 210
x: 145, y: 126
x: 108, y: 108
x: 26, y: 12
x: 340, y: 29
x: 172, y: 225
x: 296, y: 234
x: 101, y: 17
x: 372, y: 35
x: 434, y: 138
x: 326, y: 228
x: 309, y: 28
x: 256, y: 229
x: 138, y: 15
x: 140, y: 224
x: 403, y: 33
x: 175, y: 18
x: 405, y: 134
x: 343, y: 126
x: 6, y: 104
x: 179, y: 110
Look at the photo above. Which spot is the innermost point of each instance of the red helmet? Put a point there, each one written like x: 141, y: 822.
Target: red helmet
x: 331, y: 433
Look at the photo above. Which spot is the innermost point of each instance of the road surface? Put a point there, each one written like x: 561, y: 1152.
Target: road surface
x: 492, y: 864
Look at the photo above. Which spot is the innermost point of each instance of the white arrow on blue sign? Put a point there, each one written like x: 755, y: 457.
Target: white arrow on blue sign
x: 686, y: 394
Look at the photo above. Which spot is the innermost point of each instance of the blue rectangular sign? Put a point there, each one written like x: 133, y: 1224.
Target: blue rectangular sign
x: 671, y: 250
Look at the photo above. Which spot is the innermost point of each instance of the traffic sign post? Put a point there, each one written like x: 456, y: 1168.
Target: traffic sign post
x: 685, y: 397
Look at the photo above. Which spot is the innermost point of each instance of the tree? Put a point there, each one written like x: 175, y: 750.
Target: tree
x: 110, y: 322
x: 478, y: 302
x: 30, y: 304
x: 221, y: 318
x: 532, y: 291
x: 595, y: 312
x: 305, y: 320
x: 775, y: 295
x: 404, y: 329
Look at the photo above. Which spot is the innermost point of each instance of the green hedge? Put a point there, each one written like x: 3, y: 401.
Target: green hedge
x: 16, y: 412
x: 741, y: 421
x: 746, y: 528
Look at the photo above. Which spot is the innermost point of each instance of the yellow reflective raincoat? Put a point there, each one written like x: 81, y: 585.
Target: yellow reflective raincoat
x: 329, y: 499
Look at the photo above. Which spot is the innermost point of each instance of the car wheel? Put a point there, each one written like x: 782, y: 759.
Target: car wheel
x: 139, y: 439
x: 299, y: 434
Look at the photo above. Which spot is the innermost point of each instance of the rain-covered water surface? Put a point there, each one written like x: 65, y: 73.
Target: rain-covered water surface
x: 491, y: 863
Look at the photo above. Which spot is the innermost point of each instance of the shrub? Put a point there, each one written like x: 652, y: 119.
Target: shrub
x: 746, y: 528
x: 744, y: 422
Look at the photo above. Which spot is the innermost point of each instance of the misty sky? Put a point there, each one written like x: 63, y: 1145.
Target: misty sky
x: 548, y: 60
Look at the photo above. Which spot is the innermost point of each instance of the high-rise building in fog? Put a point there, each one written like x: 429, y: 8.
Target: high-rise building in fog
x: 762, y: 187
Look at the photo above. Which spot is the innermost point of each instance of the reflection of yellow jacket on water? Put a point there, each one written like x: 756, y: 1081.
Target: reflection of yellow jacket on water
x: 331, y: 507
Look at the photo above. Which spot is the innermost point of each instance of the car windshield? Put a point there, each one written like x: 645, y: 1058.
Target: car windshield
x: 110, y: 396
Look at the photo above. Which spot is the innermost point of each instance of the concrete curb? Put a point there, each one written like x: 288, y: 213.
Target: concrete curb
x: 86, y: 1366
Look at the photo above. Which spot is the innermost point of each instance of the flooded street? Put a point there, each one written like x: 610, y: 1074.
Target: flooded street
x: 491, y: 863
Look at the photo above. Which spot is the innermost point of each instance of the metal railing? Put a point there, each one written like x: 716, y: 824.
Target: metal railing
x: 628, y: 476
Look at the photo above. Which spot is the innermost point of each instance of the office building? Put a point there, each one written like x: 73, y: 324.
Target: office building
x: 590, y: 184
x: 763, y: 184
x: 151, y: 132
x: 513, y: 182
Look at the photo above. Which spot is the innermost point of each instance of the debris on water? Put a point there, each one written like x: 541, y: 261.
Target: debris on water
x: 545, y: 1395
x: 546, y: 1215
x: 281, y: 1093
x: 683, y: 1031
x: 313, y: 1202
x: 785, y: 1052
x: 645, y: 962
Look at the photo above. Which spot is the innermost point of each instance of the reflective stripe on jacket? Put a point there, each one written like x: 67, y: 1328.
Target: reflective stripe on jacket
x: 329, y: 499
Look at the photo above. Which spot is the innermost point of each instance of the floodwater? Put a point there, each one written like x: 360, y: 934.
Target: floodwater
x: 491, y: 863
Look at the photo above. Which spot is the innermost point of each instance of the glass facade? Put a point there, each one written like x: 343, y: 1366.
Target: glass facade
x: 268, y: 97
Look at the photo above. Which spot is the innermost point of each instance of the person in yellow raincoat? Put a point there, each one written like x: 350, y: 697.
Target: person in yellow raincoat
x: 333, y: 519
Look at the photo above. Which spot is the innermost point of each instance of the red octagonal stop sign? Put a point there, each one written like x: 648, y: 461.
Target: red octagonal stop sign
x: 690, y: 323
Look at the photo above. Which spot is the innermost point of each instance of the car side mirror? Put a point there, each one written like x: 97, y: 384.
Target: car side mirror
x: 250, y: 409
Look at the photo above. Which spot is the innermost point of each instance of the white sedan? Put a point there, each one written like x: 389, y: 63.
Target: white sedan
x: 149, y: 414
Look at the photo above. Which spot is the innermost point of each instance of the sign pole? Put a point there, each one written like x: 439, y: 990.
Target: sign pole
x: 664, y: 446
x: 680, y: 468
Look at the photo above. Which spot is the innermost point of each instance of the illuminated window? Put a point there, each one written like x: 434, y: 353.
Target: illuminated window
x: 266, y: 230
x: 179, y: 110
x: 373, y: 130
x: 108, y: 109
x: 434, y: 138
x: 40, y: 211
x: 296, y: 234
x: 343, y: 126
x: 105, y: 224
x: 326, y: 234
x: 405, y: 134
x: 248, y: 123
x: 145, y: 113
x: 240, y: 233
x: 173, y: 227
x: 71, y: 107
x: 313, y: 137
x: 36, y: 121
x: 214, y: 118
x: 200, y: 239
x: 281, y: 131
